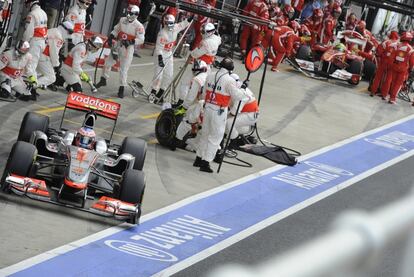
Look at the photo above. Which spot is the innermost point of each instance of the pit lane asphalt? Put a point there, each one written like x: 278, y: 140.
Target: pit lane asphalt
x: 297, y: 112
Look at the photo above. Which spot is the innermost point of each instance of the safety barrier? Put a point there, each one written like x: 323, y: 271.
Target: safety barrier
x: 352, y: 248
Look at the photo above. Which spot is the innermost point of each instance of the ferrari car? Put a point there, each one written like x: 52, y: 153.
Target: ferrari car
x: 61, y: 167
x: 340, y: 61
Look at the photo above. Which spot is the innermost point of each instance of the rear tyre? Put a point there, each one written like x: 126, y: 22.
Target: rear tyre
x: 32, y: 122
x: 20, y: 161
x: 304, y: 53
x: 132, y: 190
x: 137, y: 148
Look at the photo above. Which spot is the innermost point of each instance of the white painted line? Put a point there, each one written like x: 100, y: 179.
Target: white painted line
x: 79, y: 243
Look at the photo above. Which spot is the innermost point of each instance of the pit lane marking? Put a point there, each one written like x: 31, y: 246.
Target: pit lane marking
x: 150, y: 116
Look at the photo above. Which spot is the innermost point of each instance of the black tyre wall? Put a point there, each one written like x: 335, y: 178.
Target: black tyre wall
x: 20, y: 160
x: 132, y: 186
x: 137, y: 148
x: 166, y: 127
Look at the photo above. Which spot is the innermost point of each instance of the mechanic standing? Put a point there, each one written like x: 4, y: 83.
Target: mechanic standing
x: 248, y: 113
x: 199, y: 23
x: 77, y: 14
x: 282, y: 43
x: 13, y: 63
x: 383, y: 54
x: 220, y: 89
x: 49, y: 61
x: 72, y: 67
x: 35, y: 33
x: 255, y: 9
x: 128, y: 33
x: 315, y: 24
x: 206, y: 51
x: 329, y: 25
x: 163, y: 54
x: 402, y: 64
x: 192, y: 106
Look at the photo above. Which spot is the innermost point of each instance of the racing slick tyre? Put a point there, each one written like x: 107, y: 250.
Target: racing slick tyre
x: 355, y: 68
x: 137, y: 148
x: 369, y: 70
x: 304, y: 53
x: 20, y: 161
x: 32, y: 122
x: 166, y: 127
x: 132, y: 189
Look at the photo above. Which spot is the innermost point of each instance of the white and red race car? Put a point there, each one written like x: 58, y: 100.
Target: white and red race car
x: 45, y: 164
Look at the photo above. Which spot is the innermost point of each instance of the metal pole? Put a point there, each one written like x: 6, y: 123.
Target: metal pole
x: 272, y: 26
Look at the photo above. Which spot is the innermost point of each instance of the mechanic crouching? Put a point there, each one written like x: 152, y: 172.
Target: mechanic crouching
x: 72, y: 70
x: 248, y: 113
x: 13, y: 63
x: 220, y: 89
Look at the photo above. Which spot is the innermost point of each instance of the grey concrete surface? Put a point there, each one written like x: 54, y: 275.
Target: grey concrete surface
x: 369, y: 194
x: 297, y: 112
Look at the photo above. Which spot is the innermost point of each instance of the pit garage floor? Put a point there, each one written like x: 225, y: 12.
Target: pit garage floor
x: 297, y: 112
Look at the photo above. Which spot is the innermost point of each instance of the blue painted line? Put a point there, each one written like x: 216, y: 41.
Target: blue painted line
x: 176, y: 235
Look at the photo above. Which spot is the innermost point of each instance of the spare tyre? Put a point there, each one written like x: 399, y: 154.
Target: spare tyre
x: 166, y: 126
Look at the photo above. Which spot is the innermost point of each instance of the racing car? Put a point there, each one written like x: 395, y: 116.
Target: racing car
x: 55, y: 166
x: 339, y: 61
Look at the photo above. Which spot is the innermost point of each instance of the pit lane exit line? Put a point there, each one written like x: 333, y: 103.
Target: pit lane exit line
x: 177, y: 236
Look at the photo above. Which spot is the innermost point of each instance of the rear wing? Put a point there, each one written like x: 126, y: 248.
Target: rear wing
x: 82, y: 102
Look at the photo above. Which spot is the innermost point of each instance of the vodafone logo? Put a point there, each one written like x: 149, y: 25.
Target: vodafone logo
x: 140, y: 250
x: 94, y: 102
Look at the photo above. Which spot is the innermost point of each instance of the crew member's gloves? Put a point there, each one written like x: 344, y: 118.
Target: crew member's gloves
x: 190, y: 18
x: 84, y: 77
x: 56, y: 69
x: 245, y: 84
x: 131, y: 42
x: 110, y: 38
x: 32, y: 80
x: 180, y: 110
x: 160, y: 61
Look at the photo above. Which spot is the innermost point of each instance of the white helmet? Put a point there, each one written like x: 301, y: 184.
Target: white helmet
x: 95, y: 43
x: 132, y: 13
x: 237, y: 79
x: 22, y: 47
x: 169, y: 21
x: 84, y: 4
x: 207, y: 30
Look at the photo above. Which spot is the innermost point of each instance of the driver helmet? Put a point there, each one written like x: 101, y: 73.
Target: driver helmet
x: 94, y: 44
x: 84, y: 4
x: 169, y: 22
x: 85, y: 138
x: 22, y: 47
x: 199, y: 66
x: 207, y: 30
x: 132, y: 13
x: 340, y: 47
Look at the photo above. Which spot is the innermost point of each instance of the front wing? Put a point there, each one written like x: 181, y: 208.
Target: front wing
x: 104, y: 206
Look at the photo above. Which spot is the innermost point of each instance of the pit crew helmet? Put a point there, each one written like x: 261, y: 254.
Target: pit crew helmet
x: 289, y: 11
x: 199, y: 66
x: 336, y: 11
x: 361, y: 26
x: 227, y: 63
x: 94, y: 44
x: 294, y: 25
x: 22, y: 47
x: 207, y: 30
x: 84, y: 4
x: 132, y: 13
x: 393, y: 35
x: 406, y: 36
x: 317, y: 15
x: 30, y: 3
x: 85, y: 138
x: 169, y: 22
